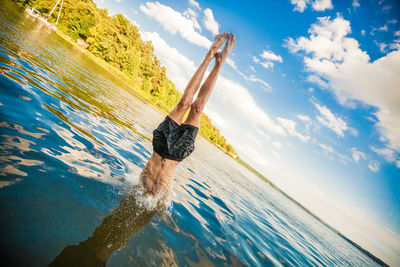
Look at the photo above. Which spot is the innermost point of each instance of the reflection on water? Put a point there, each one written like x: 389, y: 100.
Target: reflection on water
x: 73, y: 141
x: 132, y: 214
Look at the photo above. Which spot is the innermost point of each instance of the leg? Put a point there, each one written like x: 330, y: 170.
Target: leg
x: 184, y: 104
x: 198, y: 105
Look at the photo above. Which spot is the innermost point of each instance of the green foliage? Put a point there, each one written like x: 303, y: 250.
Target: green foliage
x: 116, y: 41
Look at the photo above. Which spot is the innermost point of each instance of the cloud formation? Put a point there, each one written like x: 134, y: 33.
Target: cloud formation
x: 251, y: 78
x: 338, y: 59
x: 267, y: 58
x: 357, y: 155
x: 355, y: 4
x: 388, y: 154
x: 194, y: 4
x: 209, y: 22
x: 238, y: 99
x: 328, y: 119
x: 373, y: 166
x: 317, y: 5
x: 192, y: 15
x: 175, y: 23
x: 290, y: 127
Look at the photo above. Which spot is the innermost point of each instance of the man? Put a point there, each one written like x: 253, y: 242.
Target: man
x: 174, y: 141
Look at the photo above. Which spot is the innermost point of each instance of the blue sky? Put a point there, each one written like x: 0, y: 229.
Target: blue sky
x: 310, y: 98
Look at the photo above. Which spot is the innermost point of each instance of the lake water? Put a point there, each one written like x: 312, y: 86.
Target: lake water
x: 73, y: 141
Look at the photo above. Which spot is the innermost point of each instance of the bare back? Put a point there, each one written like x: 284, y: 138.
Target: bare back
x: 158, y: 174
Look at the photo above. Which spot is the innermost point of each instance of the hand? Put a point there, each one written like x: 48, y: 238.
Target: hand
x: 218, y: 41
x: 220, y: 57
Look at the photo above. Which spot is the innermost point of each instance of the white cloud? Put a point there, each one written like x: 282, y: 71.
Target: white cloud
x: 355, y: 4
x: 322, y: 5
x: 300, y: 5
x: 327, y: 149
x: 382, y: 46
x: 268, y: 57
x: 373, y: 166
x: 318, y: 5
x: 303, y: 117
x: 290, y: 126
x: 277, y: 145
x: 353, y: 131
x: 392, y: 21
x: 357, y: 155
x: 383, y: 28
x: 316, y: 79
x: 255, y: 59
x: 350, y: 74
x: 252, y: 68
x: 262, y: 133
x: 192, y: 15
x: 209, y: 21
x: 175, y: 23
x: 343, y: 158
x: 330, y: 151
x: 306, y: 120
x: 397, y: 33
x: 238, y: 99
x: 252, y: 139
x: 389, y: 154
x: 395, y: 45
x: 329, y: 120
x: 363, y: 32
x: 190, y: 12
x: 194, y: 4
x: 232, y: 63
x: 252, y: 78
x: 267, y: 65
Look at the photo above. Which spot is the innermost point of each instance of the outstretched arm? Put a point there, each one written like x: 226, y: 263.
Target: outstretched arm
x: 184, y: 104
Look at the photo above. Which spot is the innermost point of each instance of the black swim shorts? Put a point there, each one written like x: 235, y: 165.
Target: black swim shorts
x: 174, y: 141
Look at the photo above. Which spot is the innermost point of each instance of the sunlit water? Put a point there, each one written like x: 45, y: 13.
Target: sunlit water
x: 73, y: 141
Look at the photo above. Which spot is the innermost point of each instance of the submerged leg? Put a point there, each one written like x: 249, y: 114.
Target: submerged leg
x: 184, y: 104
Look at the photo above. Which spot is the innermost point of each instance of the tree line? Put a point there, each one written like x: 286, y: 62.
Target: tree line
x: 115, y: 40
